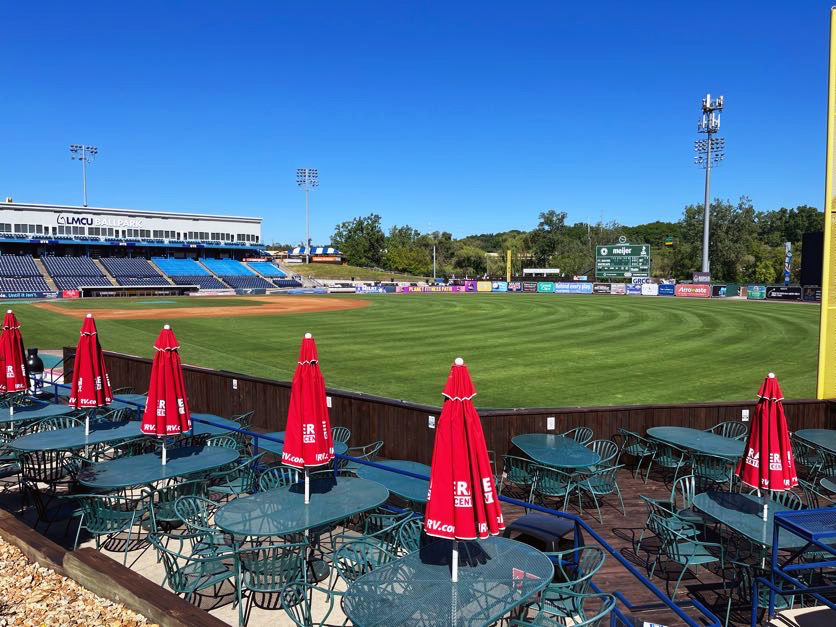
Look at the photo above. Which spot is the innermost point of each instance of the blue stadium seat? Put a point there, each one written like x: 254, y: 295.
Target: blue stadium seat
x: 18, y: 273
x: 179, y: 267
x: 266, y: 268
x: 70, y: 273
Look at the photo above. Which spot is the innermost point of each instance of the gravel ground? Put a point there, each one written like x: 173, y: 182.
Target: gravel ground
x: 33, y: 595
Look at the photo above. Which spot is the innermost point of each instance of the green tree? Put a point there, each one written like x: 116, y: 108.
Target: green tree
x: 545, y: 240
x: 469, y: 261
x: 361, y: 240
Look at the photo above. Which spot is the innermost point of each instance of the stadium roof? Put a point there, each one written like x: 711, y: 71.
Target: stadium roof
x: 139, y: 213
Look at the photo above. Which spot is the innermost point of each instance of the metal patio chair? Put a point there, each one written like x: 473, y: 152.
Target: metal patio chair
x: 601, y: 482
x: 733, y: 429
x: 109, y: 514
x: 637, y: 446
x: 582, y: 435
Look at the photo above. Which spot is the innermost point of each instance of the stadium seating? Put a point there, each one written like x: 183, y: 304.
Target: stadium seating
x: 266, y: 268
x: 204, y: 281
x: 179, y: 267
x: 18, y: 273
x: 132, y: 271
x: 236, y: 274
x: 70, y: 273
x: 287, y: 283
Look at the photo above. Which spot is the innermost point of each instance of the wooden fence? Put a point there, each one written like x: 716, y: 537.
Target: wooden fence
x: 404, y: 427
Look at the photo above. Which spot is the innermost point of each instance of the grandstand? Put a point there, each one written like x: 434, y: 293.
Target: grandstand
x: 188, y: 272
x: 132, y: 271
x: 70, y: 273
x: 18, y: 273
x: 236, y: 274
x: 266, y: 269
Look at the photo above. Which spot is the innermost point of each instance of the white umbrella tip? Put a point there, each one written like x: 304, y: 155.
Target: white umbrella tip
x: 8, y: 311
x: 308, y: 336
x: 89, y: 315
x: 459, y: 361
x: 771, y: 375
x: 166, y: 327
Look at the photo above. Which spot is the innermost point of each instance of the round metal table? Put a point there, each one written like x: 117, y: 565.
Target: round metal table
x: 35, y: 412
x: 555, y: 450
x: 699, y: 441
x: 408, y: 488
x: 495, y: 576
x: 829, y: 483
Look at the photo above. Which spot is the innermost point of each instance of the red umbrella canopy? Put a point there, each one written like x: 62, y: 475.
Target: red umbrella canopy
x: 91, y: 385
x: 167, y: 410
x: 307, y: 437
x: 768, y: 439
x: 462, y: 502
x: 13, y: 376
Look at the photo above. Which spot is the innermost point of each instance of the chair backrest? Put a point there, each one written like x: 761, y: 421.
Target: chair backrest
x: 223, y: 441
x: 195, y: 512
x: 409, y: 534
x: 107, y: 513
x: 607, y: 449
x: 574, y: 569
x: 358, y: 557
x: 787, y: 498
x: 592, y: 608
x: 181, y: 565
x: 668, y: 455
x: 340, y: 434
x: 244, y: 420
x: 162, y: 500
x: 296, y: 601
x: 579, y: 434
x: 603, y: 480
x: 550, y: 480
x: 711, y: 467
x: 683, y: 492
x: 54, y: 423
x: 814, y: 496
x: 730, y: 429
x: 44, y: 466
x: 517, y: 469
x: 270, y: 567
x: 277, y: 477
x: 123, y: 390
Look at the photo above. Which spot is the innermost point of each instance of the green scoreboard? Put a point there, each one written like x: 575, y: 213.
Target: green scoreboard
x: 622, y: 261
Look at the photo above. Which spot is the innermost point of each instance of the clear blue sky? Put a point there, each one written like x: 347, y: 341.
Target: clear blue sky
x: 467, y: 117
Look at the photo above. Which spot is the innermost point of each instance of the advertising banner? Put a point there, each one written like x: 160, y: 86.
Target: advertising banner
x: 650, y: 289
x: 601, y: 288
x: 632, y: 288
x: 470, y: 286
x: 483, y: 286
x: 30, y: 295
x: 618, y: 288
x: 545, y: 286
x: 641, y: 279
x: 70, y: 294
x: 256, y: 259
x: 783, y: 292
x: 573, y: 288
x: 666, y: 289
x: 812, y: 294
x: 370, y: 289
x: 756, y: 292
x: 499, y: 286
x: 718, y: 291
x: 693, y: 290
x: 515, y: 286
x: 702, y: 277
x: 529, y: 286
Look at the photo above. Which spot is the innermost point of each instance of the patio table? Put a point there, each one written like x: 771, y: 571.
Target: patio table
x: 829, y: 483
x: 129, y: 400
x: 495, y: 576
x: 409, y: 488
x: 556, y: 450
x: 147, y: 469
x: 698, y: 441
x: 825, y: 438
x: 101, y: 432
x: 276, y: 447
x: 35, y: 412
x: 282, y: 511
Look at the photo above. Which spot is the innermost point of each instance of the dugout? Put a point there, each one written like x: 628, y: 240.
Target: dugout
x: 118, y: 291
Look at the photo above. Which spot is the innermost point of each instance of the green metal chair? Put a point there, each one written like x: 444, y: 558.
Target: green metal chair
x: 682, y: 501
x: 518, y: 473
x: 358, y: 557
x: 196, y: 512
x: 601, y: 482
x: 582, y: 435
x: 637, y: 446
x: 382, y: 526
x: 590, y: 610
x: 240, y: 479
x: 669, y: 457
x: 607, y: 450
x: 297, y: 600
x: 808, y: 457
x: 278, y: 477
x: 409, y: 535
x: 340, y: 434
x: 123, y: 390
x: 815, y: 496
x: 682, y: 547
x: 9, y: 462
x: 573, y: 573
x: 268, y: 568
x: 54, y: 423
x: 368, y: 453
x: 189, y: 574
x: 107, y: 515
x: 223, y: 441
x: 741, y: 588
x: 787, y: 498
x: 710, y: 471
x: 733, y: 429
x: 551, y: 483
x: 162, y: 500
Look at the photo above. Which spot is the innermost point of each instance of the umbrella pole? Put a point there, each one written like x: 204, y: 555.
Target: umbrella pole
x: 455, y: 561
x: 307, y: 487
x: 164, y: 456
x: 12, y: 413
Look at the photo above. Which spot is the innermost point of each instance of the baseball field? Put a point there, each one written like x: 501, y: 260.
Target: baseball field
x: 524, y: 350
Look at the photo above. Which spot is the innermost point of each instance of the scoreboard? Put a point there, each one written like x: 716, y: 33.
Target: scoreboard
x: 622, y: 261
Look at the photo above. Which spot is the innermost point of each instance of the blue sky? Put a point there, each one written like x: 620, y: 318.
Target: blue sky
x: 467, y: 117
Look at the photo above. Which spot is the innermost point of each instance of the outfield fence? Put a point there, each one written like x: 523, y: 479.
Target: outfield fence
x: 405, y: 428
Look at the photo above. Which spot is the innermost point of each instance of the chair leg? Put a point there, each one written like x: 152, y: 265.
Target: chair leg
x: 679, y: 580
x: 649, y: 466
x: 78, y: 532
x: 621, y: 500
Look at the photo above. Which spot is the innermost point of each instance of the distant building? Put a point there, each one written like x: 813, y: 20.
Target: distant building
x: 318, y: 254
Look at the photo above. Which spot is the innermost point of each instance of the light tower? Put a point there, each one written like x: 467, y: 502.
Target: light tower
x: 709, y: 151
x: 307, y: 179
x: 84, y: 154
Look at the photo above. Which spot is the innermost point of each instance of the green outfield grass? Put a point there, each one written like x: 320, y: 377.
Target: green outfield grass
x: 524, y: 350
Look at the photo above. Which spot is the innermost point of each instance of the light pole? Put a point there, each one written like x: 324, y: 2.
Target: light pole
x: 709, y: 151
x: 307, y: 179
x: 83, y: 153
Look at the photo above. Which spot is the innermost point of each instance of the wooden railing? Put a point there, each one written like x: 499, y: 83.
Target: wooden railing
x: 404, y: 427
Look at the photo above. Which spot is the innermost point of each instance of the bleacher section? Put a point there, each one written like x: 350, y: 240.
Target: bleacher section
x: 236, y: 274
x: 18, y: 273
x: 188, y: 272
x: 132, y: 271
x: 70, y: 273
x: 266, y: 268
x: 287, y: 283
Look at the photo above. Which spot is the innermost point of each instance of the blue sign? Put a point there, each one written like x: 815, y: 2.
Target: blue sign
x: 633, y: 288
x: 499, y: 286
x: 573, y: 288
x: 667, y: 290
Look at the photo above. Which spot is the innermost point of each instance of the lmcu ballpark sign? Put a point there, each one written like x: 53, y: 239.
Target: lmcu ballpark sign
x: 97, y: 221
x: 622, y: 261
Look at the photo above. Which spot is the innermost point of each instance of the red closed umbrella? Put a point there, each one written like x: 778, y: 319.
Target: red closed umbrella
x: 461, y: 503
x: 167, y: 410
x: 13, y: 375
x: 91, y: 384
x: 768, y: 440
x: 307, y: 438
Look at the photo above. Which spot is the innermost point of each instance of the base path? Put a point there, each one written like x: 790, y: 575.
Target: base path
x: 262, y: 306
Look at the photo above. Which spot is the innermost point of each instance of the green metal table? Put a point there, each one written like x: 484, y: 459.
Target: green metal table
x: 824, y: 438
x: 34, y: 412
x: 148, y: 469
x: 276, y: 447
x: 408, y: 488
x: 556, y: 450
x: 129, y: 400
x: 282, y: 511
x: 698, y: 441
x: 495, y: 576
x: 829, y: 483
x: 101, y: 432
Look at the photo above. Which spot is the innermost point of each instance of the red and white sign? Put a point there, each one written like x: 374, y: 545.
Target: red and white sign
x: 692, y: 290
x: 70, y: 294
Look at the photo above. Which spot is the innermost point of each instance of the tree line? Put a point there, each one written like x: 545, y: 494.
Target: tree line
x: 746, y: 245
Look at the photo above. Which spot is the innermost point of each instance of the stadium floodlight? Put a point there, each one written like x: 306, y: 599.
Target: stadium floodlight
x: 307, y: 179
x: 85, y: 154
x: 709, y: 152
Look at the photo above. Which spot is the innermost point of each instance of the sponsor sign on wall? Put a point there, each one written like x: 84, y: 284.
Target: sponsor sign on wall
x: 529, y: 286
x: 483, y: 286
x: 641, y: 279
x: 693, y: 290
x: 70, y: 294
x: 666, y: 289
x: 573, y: 288
x: 545, y: 286
x: 783, y: 292
x: 28, y: 295
x: 618, y: 288
x: 515, y: 286
x: 470, y: 286
x: 601, y: 288
x: 370, y: 289
x: 811, y: 294
x: 756, y: 292
x: 499, y: 286
x: 718, y: 291
x: 632, y: 288
x: 702, y: 277
x: 650, y: 289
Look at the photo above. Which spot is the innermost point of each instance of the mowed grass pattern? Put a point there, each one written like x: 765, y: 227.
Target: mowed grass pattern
x: 524, y: 350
